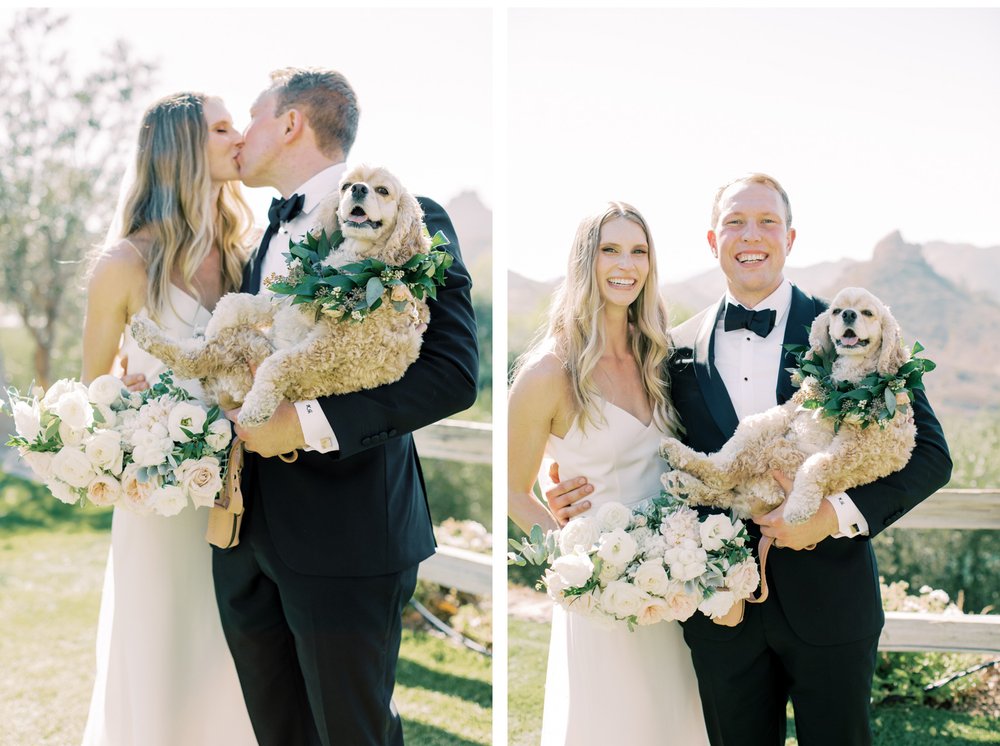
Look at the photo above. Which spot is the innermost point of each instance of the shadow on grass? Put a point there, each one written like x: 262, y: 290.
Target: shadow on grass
x: 429, y: 735
x: 417, y: 676
x: 26, y: 505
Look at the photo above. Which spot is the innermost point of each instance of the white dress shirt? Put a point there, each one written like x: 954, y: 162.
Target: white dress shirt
x: 316, y: 429
x: 749, y: 366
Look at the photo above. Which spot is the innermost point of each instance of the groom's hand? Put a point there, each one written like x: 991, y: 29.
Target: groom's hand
x: 800, y: 536
x: 567, y: 499
x: 280, y: 434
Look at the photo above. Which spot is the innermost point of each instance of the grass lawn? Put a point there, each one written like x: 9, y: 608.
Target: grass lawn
x: 896, y: 725
x: 50, y: 585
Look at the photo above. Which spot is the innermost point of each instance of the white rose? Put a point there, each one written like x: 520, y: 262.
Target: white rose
x: 653, y: 610
x: 104, y: 490
x: 106, y: 390
x: 613, y: 516
x: 220, y: 433
x: 59, y: 389
x: 135, y: 493
x: 575, y: 569
x: 680, y: 604
x: 40, y: 463
x: 581, y: 532
x: 27, y: 420
x: 185, y: 415
x: 718, y: 605
x: 686, y: 562
x: 743, y: 578
x: 622, y: 599
x: 71, y: 436
x: 150, y: 449
x: 72, y: 466
x: 585, y: 603
x: 200, y: 480
x: 104, y: 449
x: 617, y: 547
x: 168, y: 500
x: 652, y: 578
x: 715, y: 531
x: 108, y: 418
x: 62, y: 491
x: 682, y: 525
x: 74, y: 409
x: 609, y: 572
x: 554, y: 585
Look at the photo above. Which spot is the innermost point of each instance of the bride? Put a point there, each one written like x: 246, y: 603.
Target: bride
x: 164, y: 673
x: 592, y: 396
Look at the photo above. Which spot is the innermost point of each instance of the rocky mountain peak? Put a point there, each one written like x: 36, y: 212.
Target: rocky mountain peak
x: 894, y: 250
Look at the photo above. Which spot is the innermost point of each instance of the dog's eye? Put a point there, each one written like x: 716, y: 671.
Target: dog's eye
x: 836, y: 311
x: 868, y: 313
x: 382, y: 190
x: 345, y: 187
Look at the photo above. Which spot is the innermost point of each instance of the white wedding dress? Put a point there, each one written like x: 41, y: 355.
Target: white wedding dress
x: 165, y: 676
x: 611, y: 686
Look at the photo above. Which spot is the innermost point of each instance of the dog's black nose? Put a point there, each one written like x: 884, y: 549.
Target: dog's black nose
x: 359, y: 191
x: 850, y: 316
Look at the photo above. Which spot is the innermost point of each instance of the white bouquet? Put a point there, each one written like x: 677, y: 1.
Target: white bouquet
x: 152, y: 452
x: 658, y: 561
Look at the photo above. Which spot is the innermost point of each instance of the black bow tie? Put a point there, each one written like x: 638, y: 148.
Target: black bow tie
x: 280, y: 211
x: 283, y: 210
x: 759, y: 322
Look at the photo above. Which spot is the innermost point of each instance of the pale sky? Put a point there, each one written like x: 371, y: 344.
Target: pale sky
x: 872, y: 120
x: 423, y: 77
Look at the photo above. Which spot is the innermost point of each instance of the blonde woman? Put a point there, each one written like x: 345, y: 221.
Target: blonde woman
x: 593, y: 396
x: 164, y: 672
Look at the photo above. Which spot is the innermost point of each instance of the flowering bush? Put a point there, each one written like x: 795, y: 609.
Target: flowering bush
x: 659, y: 561
x: 152, y: 452
x: 907, y: 676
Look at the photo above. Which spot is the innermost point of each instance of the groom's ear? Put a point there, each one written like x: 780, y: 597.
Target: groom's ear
x: 294, y: 124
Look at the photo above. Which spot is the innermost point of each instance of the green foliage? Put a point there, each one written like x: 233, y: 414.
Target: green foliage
x: 355, y: 290
x: 903, y: 677
x: 64, y: 131
x: 458, y: 490
x: 27, y: 505
x: 965, y: 564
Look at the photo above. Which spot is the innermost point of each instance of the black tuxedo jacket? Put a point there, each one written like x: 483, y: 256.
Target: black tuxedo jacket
x: 362, y: 510
x: 830, y: 595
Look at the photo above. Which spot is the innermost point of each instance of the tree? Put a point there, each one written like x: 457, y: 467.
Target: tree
x: 64, y: 137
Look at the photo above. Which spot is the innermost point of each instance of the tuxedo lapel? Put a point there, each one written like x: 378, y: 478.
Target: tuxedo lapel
x: 800, y: 317
x: 713, y: 390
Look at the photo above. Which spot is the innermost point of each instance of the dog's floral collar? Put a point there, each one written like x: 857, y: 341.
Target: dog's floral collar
x: 874, y: 399
x: 355, y: 290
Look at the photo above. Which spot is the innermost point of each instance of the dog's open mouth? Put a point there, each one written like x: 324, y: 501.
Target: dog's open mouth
x: 360, y: 219
x: 850, y: 339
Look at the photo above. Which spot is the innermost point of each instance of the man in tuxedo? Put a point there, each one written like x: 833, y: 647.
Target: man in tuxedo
x: 311, y: 597
x: 814, y: 639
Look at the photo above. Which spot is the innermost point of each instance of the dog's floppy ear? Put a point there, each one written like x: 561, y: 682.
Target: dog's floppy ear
x: 892, y: 354
x: 407, y: 235
x: 819, y: 333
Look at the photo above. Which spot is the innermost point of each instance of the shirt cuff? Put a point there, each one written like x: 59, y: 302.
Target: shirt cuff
x: 852, y: 522
x: 316, y: 430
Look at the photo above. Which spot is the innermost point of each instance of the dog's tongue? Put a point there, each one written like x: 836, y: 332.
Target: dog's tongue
x: 848, y: 341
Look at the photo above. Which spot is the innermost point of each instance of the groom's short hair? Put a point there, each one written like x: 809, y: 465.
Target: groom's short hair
x: 754, y: 178
x: 327, y: 100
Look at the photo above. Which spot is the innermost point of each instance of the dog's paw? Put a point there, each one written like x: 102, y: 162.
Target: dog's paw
x: 674, y: 452
x: 252, y: 417
x: 144, y: 331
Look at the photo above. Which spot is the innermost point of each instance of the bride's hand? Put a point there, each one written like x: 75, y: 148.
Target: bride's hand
x: 133, y: 381
x: 567, y: 499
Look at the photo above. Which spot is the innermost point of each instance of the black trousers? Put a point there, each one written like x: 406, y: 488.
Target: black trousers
x: 316, y: 656
x: 746, y: 681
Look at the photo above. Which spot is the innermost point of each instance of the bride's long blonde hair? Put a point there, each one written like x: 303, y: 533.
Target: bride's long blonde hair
x: 171, y: 199
x: 575, y: 333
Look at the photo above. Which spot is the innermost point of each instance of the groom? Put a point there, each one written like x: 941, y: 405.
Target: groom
x: 311, y: 597
x: 814, y: 639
